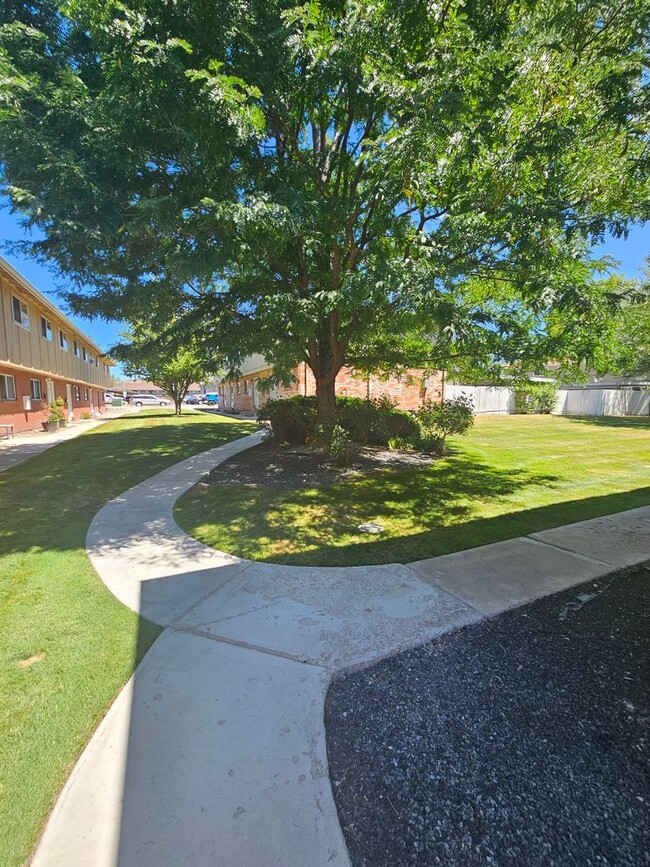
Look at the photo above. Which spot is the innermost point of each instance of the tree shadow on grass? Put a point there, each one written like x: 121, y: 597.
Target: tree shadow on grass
x: 298, y: 527
x: 448, y: 492
x: 469, y: 534
x: 624, y: 421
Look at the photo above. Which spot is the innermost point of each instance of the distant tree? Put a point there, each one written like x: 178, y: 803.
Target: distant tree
x: 312, y: 180
x: 617, y: 339
x: 162, y: 361
x: 629, y: 348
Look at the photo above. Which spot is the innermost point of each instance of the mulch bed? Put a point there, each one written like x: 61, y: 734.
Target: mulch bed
x: 288, y: 467
x: 520, y: 740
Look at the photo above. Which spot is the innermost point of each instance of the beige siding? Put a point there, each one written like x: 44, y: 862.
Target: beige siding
x: 27, y: 349
x: 253, y: 364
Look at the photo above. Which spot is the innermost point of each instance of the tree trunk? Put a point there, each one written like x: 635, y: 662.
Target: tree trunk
x: 178, y: 403
x: 326, y: 399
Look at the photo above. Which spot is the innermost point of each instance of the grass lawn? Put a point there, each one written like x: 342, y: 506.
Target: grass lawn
x: 67, y: 645
x: 513, y: 475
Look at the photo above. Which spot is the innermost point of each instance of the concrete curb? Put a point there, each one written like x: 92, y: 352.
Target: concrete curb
x: 215, y: 750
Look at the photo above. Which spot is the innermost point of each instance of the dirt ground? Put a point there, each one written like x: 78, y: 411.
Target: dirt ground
x: 288, y: 467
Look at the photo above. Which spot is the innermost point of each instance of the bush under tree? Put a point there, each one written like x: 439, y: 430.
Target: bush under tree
x: 376, y: 422
x: 453, y: 417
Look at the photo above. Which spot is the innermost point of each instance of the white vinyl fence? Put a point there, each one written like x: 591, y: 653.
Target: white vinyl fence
x: 604, y: 401
x: 486, y: 398
x: 623, y: 400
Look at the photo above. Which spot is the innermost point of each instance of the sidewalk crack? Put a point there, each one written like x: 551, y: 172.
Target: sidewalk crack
x: 245, y: 645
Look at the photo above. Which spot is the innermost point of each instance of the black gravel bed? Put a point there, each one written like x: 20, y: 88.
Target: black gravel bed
x: 286, y: 467
x: 520, y: 740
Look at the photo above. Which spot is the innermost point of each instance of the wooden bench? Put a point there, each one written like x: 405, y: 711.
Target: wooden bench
x: 8, y: 429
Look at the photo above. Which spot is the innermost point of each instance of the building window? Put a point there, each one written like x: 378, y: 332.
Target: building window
x: 75, y: 348
x: 35, y: 389
x: 63, y: 341
x: 77, y: 393
x: 7, y: 387
x: 46, y: 328
x: 20, y: 312
x: 84, y: 354
x: 238, y: 387
x: 245, y: 386
x: 85, y: 395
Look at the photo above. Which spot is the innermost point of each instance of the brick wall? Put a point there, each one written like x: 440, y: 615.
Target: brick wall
x: 244, y: 395
x: 408, y: 390
x: 12, y: 412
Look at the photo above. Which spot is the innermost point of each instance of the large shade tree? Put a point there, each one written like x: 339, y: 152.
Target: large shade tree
x: 316, y: 180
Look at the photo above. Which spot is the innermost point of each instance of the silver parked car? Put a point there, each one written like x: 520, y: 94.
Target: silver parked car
x: 148, y: 400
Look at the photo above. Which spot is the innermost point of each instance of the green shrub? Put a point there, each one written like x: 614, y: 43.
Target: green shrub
x: 404, y: 444
x: 292, y: 419
x: 367, y: 422
x: 295, y: 419
x: 533, y: 397
x: 440, y: 420
x: 432, y: 445
x: 547, y: 397
x: 374, y: 422
x: 524, y: 399
x: 340, y: 446
x: 403, y: 425
x: 334, y: 440
x: 364, y: 420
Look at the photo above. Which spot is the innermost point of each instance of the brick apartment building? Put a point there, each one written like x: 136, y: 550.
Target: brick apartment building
x: 408, y: 390
x: 43, y: 356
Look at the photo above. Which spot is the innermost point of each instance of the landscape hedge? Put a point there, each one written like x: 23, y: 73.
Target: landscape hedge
x: 365, y: 422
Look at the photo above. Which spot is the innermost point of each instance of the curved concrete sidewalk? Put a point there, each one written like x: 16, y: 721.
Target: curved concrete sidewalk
x: 214, y: 753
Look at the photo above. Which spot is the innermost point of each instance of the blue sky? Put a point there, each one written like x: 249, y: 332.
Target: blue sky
x: 630, y: 252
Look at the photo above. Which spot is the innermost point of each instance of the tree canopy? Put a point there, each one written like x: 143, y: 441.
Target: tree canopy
x: 370, y: 182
